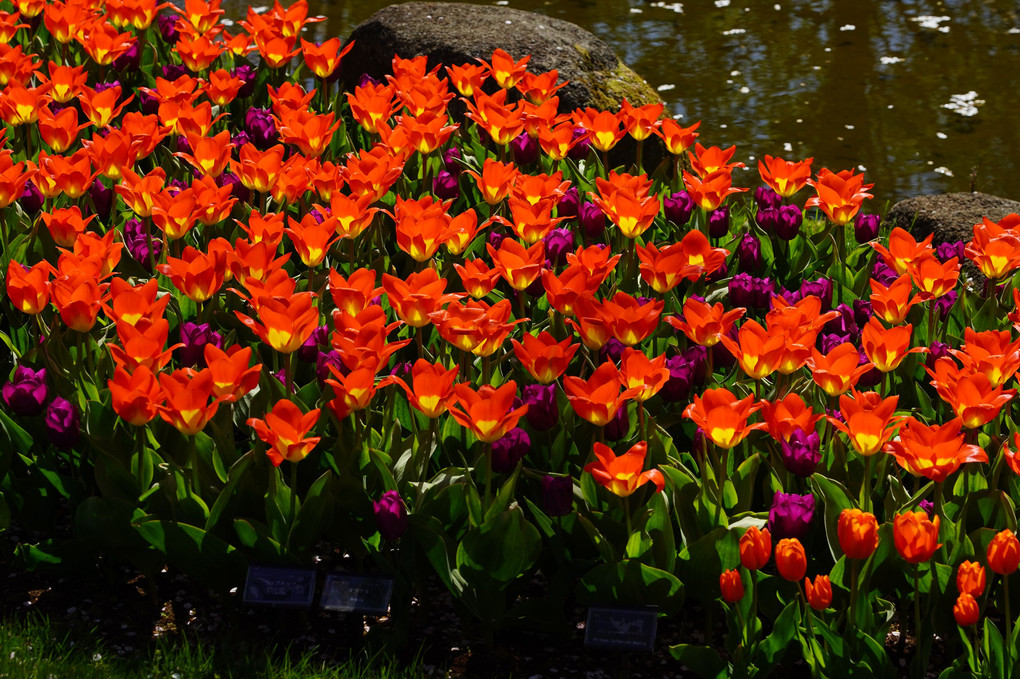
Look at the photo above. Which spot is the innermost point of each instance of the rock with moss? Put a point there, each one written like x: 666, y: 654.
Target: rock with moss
x: 949, y: 216
x: 454, y: 33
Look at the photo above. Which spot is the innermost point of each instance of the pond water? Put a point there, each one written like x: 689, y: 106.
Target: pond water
x: 920, y: 95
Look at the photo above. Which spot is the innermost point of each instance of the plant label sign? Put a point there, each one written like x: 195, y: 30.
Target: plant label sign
x: 274, y: 586
x: 625, y: 629
x: 362, y: 593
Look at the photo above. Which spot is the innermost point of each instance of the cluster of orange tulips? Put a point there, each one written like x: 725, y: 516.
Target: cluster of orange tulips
x: 445, y: 303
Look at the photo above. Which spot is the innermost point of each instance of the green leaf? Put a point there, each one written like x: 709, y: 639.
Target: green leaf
x: 227, y: 493
x: 203, y: 556
x: 835, y: 498
x: 785, y: 628
x: 702, y: 561
x: 501, y: 549
x: 703, y: 660
x: 995, y: 651
x: 314, y: 516
x: 14, y: 434
x: 631, y: 583
x: 255, y: 537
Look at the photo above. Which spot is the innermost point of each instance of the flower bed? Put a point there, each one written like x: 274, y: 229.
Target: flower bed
x: 250, y: 316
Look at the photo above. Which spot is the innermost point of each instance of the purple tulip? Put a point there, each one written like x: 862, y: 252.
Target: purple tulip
x: 366, y: 80
x: 749, y: 254
x: 248, y: 76
x: 862, y: 312
x: 390, y: 515
x: 102, y: 199
x: 194, y: 337
x: 558, y: 243
x: 946, y: 251
x: 928, y: 507
x: 261, y: 128
x: 802, y: 452
x: 765, y: 198
x: 592, y: 220
x: 677, y: 388
x: 790, y: 515
x: 130, y: 60
x: 167, y: 25
x: 450, y: 161
x: 237, y: 189
x: 748, y: 291
x: 581, y: 149
x: 866, y: 227
x: 445, y: 186
x: 883, y: 273
x: 719, y: 222
x: 788, y: 222
x: 570, y: 203
x: 138, y: 244
x: 612, y: 350
x: 543, y: 412
x: 936, y: 350
x: 767, y: 219
x: 309, y: 351
x: 495, y: 238
x: 678, y: 208
x: 326, y: 359
x: 26, y: 392
x: 525, y: 149
x: 820, y: 288
x: 509, y: 450
x: 557, y: 495
x: 174, y: 71
x: 618, y: 427
x: 63, y: 423
x: 944, y: 304
x: 31, y: 199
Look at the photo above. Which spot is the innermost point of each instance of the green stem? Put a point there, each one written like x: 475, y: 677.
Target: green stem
x: 193, y: 461
x: 852, y: 614
x: 866, y: 485
x: 917, y: 606
x: 1009, y: 622
x: 488, y: 475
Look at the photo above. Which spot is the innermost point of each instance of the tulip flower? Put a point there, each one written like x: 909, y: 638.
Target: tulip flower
x: 598, y: 398
x: 543, y: 357
x: 966, y: 610
x: 285, y: 430
x: 790, y: 515
x: 704, y: 324
x: 858, y: 533
x: 755, y: 548
x: 431, y: 387
x: 646, y: 376
x: 789, y: 415
x: 285, y: 325
x: 709, y: 192
x: 488, y: 413
x: 970, y: 578
x: 867, y: 420
x: 28, y: 287
x: 992, y: 352
x: 971, y: 396
x: 903, y: 250
x: 791, y: 561
x: 784, y: 177
x: 915, y: 536
x: 519, y: 266
x: 621, y: 474
x: 1004, y: 553
x: 187, y: 400
x: 723, y: 417
x: 838, y: 194
x: 757, y: 350
x: 731, y: 586
x: 837, y: 371
x: 819, y: 592
x: 934, y: 451
x: 136, y: 396
x: 933, y: 278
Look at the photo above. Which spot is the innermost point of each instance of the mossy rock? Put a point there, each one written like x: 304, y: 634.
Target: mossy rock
x: 455, y: 33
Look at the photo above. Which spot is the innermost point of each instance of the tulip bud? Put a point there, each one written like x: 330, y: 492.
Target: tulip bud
x: 788, y: 222
x: 259, y: 124
x: 970, y: 578
x: 570, y: 203
x: 248, y: 76
x: 509, y: 450
x: 749, y: 254
x: 790, y: 515
x: 866, y: 227
x: 946, y: 251
x: 167, y: 25
x: 765, y: 197
x: 194, y: 337
x: 557, y: 495
x: 390, y: 515
x: 755, y: 548
x: 525, y: 149
x: 1004, y: 552
x: 731, y: 586
x: 618, y: 427
x: 445, y: 186
x: 916, y: 536
x: 102, y: 199
x: 719, y: 222
x: 131, y: 60
x: 966, y: 610
x: 450, y: 158
x: 791, y: 561
x: 858, y: 533
x: 820, y: 288
x: 26, y: 393
x: 818, y: 593
x: 678, y: 386
x: 63, y: 423
x: 31, y: 199
x: 592, y: 220
x: 801, y: 452
x: 543, y: 413
x: 558, y: 243
x: 678, y: 208
x: 581, y: 149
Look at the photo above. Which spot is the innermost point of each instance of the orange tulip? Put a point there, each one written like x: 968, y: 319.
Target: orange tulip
x: 1004, y: 553
x: 557, y: 142
x: 285, y: 430
x: 916, y: 537
x: 971, y: 395
x: 838, y: 194
x: 311, y: 238
x: 136, y: 395
x: 415, y: 298
x: 678, y: 139
x: 209, y: 155
x: 723, y: 417
x: 784, y: 177
x: 631, y: 211
x: 630, y: 321
x: 791, y: 561
x: 621, y: 474
x: 78, y: 300
x: 13, y: 177
x: 887, y: 348
x: 598, y: 398
x: 903, y: 250
x: 839, y: 370
x: 66, y: 82
x: 712, y: 160
x: 1012, y: 456
x: 467, y: 78
x: 992, y: 352
x: 222, y: 87
x: 323, y: 59
x: 135, y: 305
x: 818, y: 593
x: 187, y: 397
x: 59, y: 131
x: 28, y: 287
x: 519, y: 266
x: 197, y: 274
x: 538, y: 88
x: 488, y: 413
x: 285, y: 324
x: 475, y: 326
x: 868, y: 420
x: 604, y: 128
x: 421, y: 226
x: 710, y: 192
x: 309, y: 132
x: 431, y: 387
x: 532, y: 221
x: 501, y: 122
x: 664, y: 269
x: 143, y: 345
x: 504, y: 70
x: 858, y: 533
x: 641, y: 121
x: 495, y: 180
x: 970, y: 578
x: 934, y: 451
x: 756, y: 349
x: 543, y: 357
x: 643, y: 375
x: 231, y: 376
x: 966, y: 611
x: 462, y: 230
x: 372, y: 105
x: 932, y: 277
x: 104, y: 44
x: 704, y: 324
x: 784, y: 416
x: 755, y: 548
x: 354, y: 391
x: 892, y: 303
x: 477, y: 278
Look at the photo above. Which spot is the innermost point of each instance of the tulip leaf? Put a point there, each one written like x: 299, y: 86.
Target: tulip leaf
x: 995, y: 651
x: 702, y: 561
x: 428, y: 533
x: 504, y: 496
x: 204, y: 556
x: 835, y: 498
x: 605, y: 547
x: 631, y: 583
x: 785, y: 628
x: 501, y: 549
x: 315, y: 514
x: 227, y: 493
x: 659, y: 527
x: 743, y: 481
x: 704, y: 661
x: 16, y: 437
x: 256, y: 537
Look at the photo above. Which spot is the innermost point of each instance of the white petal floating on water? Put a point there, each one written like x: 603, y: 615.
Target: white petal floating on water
x: 932, y: 22
x: 677, y: 7
x: 944, y: 170
x: 722, y: 3
x: 848, y: 27
x: 964, y: 104
x: 744, y: 90
x: 941, y: 135
x: 665, y: 88
x: 890, y: 60
x: 735, y: 31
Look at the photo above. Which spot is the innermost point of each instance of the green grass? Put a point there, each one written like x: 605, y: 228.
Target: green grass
x: 36, y: 648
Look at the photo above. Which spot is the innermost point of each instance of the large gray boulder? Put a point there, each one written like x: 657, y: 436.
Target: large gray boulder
x: 455, y: 33
x: 950, y: 216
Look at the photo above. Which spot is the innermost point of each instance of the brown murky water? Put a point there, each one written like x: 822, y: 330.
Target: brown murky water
x: 919, y: 94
